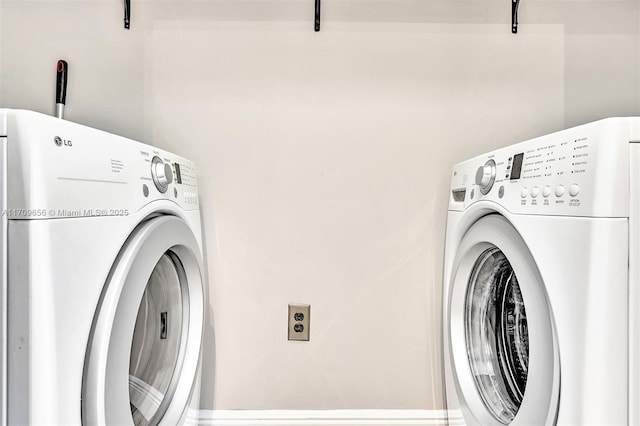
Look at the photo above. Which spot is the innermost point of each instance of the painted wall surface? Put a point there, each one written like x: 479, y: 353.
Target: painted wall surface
x: 324, y: 158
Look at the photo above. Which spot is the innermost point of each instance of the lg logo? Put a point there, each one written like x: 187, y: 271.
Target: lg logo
x: 59, y: 141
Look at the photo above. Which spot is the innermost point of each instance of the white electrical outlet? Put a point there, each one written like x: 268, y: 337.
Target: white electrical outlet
x: 299, y: 316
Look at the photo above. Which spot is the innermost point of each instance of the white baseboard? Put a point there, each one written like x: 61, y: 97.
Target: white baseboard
x: 319, y: 418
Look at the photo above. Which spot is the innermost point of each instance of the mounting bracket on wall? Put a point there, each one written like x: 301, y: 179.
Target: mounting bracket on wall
x: 127, y: 14
x: 317, y: 16
x: 514, y: 16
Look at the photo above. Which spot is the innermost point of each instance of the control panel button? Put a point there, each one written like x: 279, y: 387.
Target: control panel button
x: 524, y: 192
x: 190, y: 198
x: 574, y: 190
x: 485, y: 176
x: 546, y: 191
x: 535, y: 191
x: 161, y: 173
x: 559, y: 190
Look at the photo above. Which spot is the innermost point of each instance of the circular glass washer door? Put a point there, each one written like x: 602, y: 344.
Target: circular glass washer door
x: 496, y: 334
x: 503, y: 347
x: 143, y: 355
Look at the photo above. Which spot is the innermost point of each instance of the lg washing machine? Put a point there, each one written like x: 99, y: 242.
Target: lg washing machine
x: 102, y: 296
x: 541, y: 281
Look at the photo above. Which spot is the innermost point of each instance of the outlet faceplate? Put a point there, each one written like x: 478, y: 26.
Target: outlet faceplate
x: 299, y: 316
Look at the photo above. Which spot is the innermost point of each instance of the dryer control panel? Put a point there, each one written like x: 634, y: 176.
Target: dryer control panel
x: 583, y: 171
x: 59, y: 169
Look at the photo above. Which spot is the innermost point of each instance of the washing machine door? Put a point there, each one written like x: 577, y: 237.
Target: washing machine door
x: 503, y: 347
x: 143, y: 355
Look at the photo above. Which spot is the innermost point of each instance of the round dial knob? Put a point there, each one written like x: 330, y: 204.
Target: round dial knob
x: 485, y: 176
x: 161, y: 173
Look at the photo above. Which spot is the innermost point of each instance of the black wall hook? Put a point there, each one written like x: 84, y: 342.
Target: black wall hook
x: 127, y: 14
x: 317, y: 16
x: 514, y: 16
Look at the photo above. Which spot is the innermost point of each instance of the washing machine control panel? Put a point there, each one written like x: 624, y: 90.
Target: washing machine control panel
x: 581, y: 171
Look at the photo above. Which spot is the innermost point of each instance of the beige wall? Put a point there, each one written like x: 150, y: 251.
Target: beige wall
x: 324, y: 158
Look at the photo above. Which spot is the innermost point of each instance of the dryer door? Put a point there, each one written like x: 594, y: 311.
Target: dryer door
x: 503, y: 345
x: 143, y: 356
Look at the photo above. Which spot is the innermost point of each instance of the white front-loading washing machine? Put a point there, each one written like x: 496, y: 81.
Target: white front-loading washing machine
x: 541, y: 281
x: 103, y: 293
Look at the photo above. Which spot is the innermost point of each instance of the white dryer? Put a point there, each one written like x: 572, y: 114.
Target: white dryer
x: 102, y: 296
x: 541, y: 281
